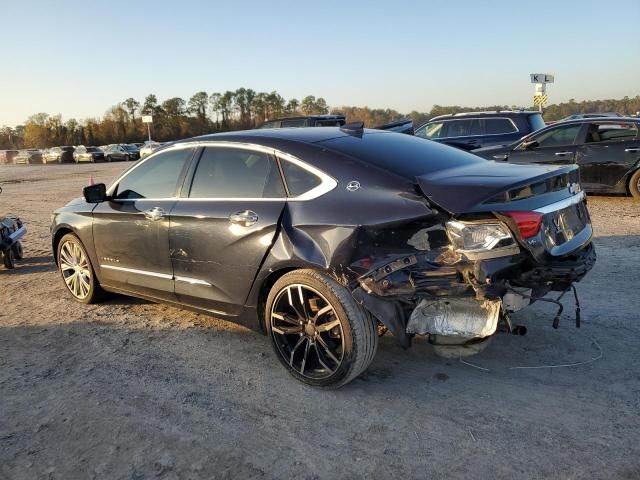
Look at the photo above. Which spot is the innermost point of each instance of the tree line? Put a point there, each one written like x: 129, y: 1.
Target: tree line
x: 244, y: 108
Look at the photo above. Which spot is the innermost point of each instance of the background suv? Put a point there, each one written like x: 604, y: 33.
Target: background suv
x: 309, y: 121
x: 480, y: 129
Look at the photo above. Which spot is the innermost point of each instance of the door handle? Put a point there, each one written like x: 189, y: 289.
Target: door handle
x: 562, y: 154
x: 246, y: 218
x: 631, y: 150
x: 155, y: 213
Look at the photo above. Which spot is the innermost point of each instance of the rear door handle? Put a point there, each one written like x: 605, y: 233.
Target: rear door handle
x: 563, y: 154
x: 631, y: 150
x: 155, y: 213
x: 246, y: 218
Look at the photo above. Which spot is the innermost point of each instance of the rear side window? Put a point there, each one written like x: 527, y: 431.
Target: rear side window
x: 156, y: 177
x: 497, y: 126
x: 616, y: 132
x: 298, y: 179
x: 236, y: 173
x: 293, y: 123
x: 459, y: 128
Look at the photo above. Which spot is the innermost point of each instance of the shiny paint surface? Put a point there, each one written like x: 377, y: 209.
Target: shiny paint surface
x: 605, y: 166
x: 196, y: 257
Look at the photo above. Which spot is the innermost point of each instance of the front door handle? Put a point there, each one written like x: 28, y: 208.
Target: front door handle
x: 563, y: 154
x: 631, y: 150
x: 246, y: 218
x: 155, y: 213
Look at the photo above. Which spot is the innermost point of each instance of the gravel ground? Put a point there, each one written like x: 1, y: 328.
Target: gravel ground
x: 129, y: 389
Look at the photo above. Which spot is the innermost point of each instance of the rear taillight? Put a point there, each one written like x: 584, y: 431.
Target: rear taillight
x: 528, y: 222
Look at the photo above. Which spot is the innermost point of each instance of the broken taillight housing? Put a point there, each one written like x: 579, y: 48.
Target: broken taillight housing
x: 528, y: 223
x: 474, y: 237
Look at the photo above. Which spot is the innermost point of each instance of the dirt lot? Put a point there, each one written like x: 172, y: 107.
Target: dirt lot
x: 128, y: 389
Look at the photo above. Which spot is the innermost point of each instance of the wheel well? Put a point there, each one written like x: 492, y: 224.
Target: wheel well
x: 630, y: 177
x: 56, y: 241
x: 265, y: 288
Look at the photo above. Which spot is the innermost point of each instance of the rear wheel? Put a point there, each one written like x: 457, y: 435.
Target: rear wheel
x: 108, y: 158
x: 18, y: 251
x: 77, y: 271
x: 8, y: 258
x: 318, y: 331
x: 634, y: 184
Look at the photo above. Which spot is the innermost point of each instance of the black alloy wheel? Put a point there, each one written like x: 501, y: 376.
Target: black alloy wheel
x: 319, y: 332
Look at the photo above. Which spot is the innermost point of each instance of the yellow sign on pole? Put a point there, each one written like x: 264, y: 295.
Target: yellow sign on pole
x: 540, y: 99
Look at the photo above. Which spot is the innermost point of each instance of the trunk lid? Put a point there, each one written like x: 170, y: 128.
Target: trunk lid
x: 552, y: 192
x: 493, y: 186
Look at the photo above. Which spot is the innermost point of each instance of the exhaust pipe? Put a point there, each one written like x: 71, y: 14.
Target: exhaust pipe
x: 519, y: 330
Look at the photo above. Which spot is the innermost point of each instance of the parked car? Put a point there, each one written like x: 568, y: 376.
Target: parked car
x: 121, y: 151
x: 149, y: 147
x: 579, y: 116
x: 28, y: 156
x: 7, y: 156
x: 306, y: 121
x: 606, y: 149
x: 317, y: 236
x: 480, y: 129
x: 58, y: 155
x: 88, y: 154
x: 400, y: 126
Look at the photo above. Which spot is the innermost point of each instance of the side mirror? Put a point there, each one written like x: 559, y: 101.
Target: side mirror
x: 95, y: 193
x: 529, y: 145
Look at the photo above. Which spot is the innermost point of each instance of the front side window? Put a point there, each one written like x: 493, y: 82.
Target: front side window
x: 430, y: 131
x: 558, y: 136
x: 235, y: 173
x: 154, y: 178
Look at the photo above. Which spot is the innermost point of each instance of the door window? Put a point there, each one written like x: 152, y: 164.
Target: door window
x: 157, y: 177
x: 558, y: 136
x: 236, y: 173
x: 498, y: 126
x: 459, y: 128
x: 611, y: 132
x: 294, y: 123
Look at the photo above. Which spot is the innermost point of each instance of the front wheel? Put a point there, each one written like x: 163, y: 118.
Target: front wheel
x: 108, y: 158
x: 318, y: 331
x: 634, y: 185
x: 76, y: 270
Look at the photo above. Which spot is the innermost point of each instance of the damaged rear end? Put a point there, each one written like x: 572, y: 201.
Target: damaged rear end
x: 499, y: 238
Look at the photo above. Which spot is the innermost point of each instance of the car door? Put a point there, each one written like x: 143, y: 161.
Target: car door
x: 555, y: 145
x: 131, y: 230
x: 223, y: 225
x: 609, y: 151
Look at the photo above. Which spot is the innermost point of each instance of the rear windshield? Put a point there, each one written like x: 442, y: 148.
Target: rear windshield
x: 402, y: 154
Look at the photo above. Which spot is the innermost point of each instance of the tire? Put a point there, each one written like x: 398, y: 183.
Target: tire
x: 72, y: 254
x: 8, y: 259
x: 634, y: 185
x: 325, y: 341
x: 18, y: 251
x: 108, y: 158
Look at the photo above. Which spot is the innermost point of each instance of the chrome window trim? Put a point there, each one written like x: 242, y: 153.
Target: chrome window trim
x: 562, y: 204
x: 327, y: 183
x: 517, y: 130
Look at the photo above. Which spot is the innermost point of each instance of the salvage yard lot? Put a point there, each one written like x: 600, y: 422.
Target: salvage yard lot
x: 130, y: 389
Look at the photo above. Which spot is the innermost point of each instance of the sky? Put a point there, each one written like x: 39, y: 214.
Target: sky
x: 79, y: 58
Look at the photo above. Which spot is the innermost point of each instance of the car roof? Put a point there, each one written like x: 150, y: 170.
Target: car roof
x: 614, y: 120
x: 304, y: 117
x: 306, y: 135
x: 494, y: 113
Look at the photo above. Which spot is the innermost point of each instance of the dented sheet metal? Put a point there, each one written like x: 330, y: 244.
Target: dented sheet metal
x: 462, y: 317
